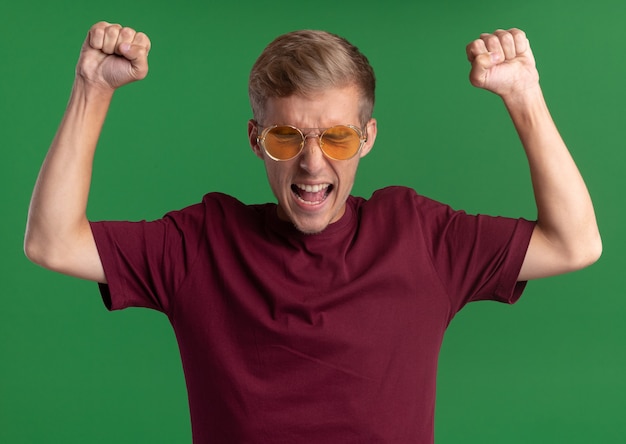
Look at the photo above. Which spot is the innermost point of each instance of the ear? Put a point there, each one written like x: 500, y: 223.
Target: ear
x: 371, y: 130
x: 253, y: 133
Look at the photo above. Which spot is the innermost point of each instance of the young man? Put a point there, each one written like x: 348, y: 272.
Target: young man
x: 319, y: 318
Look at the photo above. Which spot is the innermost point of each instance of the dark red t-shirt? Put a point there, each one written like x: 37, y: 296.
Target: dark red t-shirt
x: 326, y: 338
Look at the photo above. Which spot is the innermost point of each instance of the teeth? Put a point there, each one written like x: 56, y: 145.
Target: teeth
x: 313, y: 188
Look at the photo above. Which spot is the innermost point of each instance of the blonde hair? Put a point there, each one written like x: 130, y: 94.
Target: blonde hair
x: 305, y: 62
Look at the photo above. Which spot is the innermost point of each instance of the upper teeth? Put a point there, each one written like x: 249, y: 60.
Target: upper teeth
x: 313, y: 188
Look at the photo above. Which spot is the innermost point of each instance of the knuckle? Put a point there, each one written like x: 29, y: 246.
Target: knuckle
x: 97, y: 32
x: 506, y: 37
x: 472, y: 45
x: 518, y: 33
x: 475, y: 46
x: 127, y: 32
x: 100, y: 25
x: 503, y: 35
x: 141, y: 38
x: 112, y: 30
x: 490, y: 38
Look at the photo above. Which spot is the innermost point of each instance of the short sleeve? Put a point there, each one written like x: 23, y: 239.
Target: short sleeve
x: 477, y: 257
x: 145, y: 262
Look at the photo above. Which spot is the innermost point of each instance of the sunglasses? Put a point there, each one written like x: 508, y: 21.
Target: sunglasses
x: 284, y: 142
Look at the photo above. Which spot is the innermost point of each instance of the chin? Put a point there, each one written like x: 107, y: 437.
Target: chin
x: 313, y: 222
x: 309, y: 228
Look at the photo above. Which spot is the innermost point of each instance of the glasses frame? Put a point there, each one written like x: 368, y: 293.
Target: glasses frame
x: 320, y: 135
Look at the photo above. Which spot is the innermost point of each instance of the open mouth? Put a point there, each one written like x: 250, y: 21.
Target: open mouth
x: 311, y: 194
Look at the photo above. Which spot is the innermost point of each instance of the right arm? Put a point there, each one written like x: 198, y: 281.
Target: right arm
x: 58, y: 235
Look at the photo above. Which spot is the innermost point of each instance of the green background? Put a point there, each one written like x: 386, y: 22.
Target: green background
x: 550, y: 369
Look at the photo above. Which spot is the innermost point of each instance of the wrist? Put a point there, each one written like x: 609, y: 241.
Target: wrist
x: 90, y: 96
x: 523, y: 98
x: 529, y: 113
x: 92, y: 90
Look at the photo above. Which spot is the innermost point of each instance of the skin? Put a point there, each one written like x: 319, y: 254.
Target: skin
x: 58, y: 235
x: 312, y: 167
x: 566, y: 237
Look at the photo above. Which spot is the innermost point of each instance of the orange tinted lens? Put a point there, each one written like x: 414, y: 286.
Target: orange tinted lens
x: 340, y: 142
x: 283, y: 142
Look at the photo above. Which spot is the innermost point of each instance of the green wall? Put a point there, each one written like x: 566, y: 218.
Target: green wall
x: 550, y: 369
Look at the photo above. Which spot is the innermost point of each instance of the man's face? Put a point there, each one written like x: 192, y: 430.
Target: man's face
x: 312, y: 189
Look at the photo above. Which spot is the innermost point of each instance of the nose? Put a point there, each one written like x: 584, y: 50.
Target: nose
x: 312, y: 158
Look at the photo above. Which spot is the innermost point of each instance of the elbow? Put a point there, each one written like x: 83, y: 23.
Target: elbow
x: 52, y: 248
x: 586, y: 253
x: 32, y: 246
x: 46, y: 257
x: 70, y: 255
x: 40, y: 253
x: 30, y: 249
x: 595, y: 250
x: 33, y: 251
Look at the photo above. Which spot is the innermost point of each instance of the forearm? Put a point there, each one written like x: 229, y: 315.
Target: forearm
x: 566, y: 236
x: 57, y: 219
x: 565, y: 214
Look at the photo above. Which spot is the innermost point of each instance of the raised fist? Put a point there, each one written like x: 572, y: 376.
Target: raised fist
x: 113, y: 56
x: 502, y: 62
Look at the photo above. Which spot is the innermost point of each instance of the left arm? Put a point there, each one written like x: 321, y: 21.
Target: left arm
x: 566, y: 237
